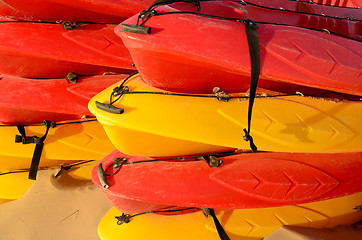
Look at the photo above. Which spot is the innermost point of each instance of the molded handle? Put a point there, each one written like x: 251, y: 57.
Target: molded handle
x: 109, y: 108
x: 102, y: 176
x: 135, y: 28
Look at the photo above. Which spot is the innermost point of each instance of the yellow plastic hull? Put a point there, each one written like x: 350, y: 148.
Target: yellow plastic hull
x: 14, y: 184
x: 70, y: 142
x: 168, y: 125
x: 239, y: 224
x: 5, y: 200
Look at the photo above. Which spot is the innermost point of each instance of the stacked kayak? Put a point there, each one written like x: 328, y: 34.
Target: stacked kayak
x: 350, y: 11
x: 180, y: 59
x: 49, y: 50
x: 65, y: 141
x: 179, y: 124
x: 104, y: 11
x: 50, y: 69
x: 348, y: 3
x: 243, y: 116
x: 241, y: 223
x: 282, y: 123
x: 64, y: 99
x: 284, y: 179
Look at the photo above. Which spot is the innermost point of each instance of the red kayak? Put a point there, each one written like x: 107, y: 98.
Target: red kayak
x: 109, y: 11
x: 34, y: 100
x: 352, y: 12
x: 338, y: 3
x: 47, y: 50
x: 194, y: 53
x: 244, y: 180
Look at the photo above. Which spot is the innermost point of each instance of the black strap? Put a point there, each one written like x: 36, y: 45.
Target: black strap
x: 253, y: 42
x: 209, y: 212
x: 39, y: 141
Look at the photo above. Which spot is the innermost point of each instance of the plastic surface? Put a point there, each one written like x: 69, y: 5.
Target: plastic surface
x: 284, y: 124
x: 239, y: 224
x: 338, y: 8
x: 344, y: 3
x: 35, y: 100
x: 175, y: 56
x: 45, y: 50
x: 246, y: 180
x: 73, y: 10
x: 69, y: 142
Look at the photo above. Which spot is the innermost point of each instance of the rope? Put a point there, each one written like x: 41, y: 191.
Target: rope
x: 125, y: 218
x: 55, y: 123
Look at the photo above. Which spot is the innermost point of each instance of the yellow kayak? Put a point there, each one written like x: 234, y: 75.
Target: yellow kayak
x: 238, y: 224
x: 159, y: 123
x: 5, y: 200
x: 13, y: 184
x: 67, y: 141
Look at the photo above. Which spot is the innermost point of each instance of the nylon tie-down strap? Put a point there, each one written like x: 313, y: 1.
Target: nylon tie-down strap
x: 253, y: 42
x: 209, y: 212
x: 39, y: 141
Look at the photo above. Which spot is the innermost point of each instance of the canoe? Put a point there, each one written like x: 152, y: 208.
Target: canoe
x: 175, y: 57
x: 110, y: 11
x: 244, y: 180
x: 71, y: 141
x: 15, y: 183
x: 154, y: 118
x: 47, y: 50
x: 238, y: 224
x: 30, y: 101
x: 341, y: 9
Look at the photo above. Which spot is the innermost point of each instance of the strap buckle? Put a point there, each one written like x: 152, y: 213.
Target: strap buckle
x: 26, y: 139
x: 250, y: 23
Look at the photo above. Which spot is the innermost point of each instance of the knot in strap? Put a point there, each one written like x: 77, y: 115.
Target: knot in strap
x: 249, y: 138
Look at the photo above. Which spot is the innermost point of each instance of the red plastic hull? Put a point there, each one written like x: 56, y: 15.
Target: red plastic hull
x: 339, y: 8
x: 34, y: 100
x: 109, y: 11
x: 187, y: 53
x: 39, y: 50
x: 248, y: 180
x: 340, y: 3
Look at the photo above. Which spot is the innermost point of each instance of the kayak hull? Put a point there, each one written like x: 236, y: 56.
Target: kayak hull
x: 245, y: 180
x: 174, y: 57
x: 239, y: 224
x: 341, y: 9
x: 24, y: 100
x: 80, y: 10
x: 47, y: 50
x: 68, y: 141
x: 281, y: 124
